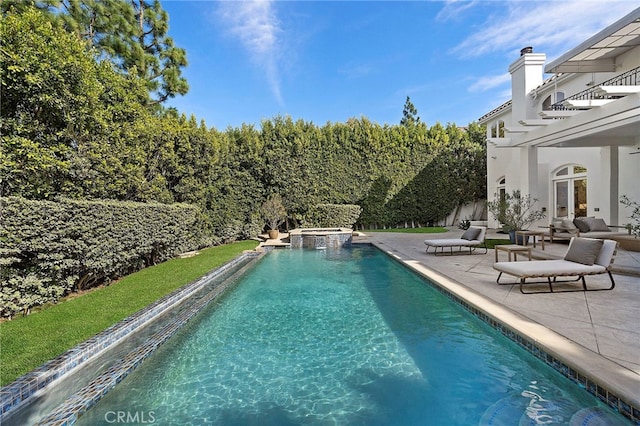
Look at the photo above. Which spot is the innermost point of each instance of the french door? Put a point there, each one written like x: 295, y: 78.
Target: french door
x: 570, y: 192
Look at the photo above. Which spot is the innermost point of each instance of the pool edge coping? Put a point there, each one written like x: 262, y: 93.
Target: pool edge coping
x: 596, y: 374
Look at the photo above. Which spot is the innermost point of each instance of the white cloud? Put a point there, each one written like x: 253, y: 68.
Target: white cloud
x: 454, y: 8
x: 552, y: 27
x: 256, y: 25
x: 483, y: 84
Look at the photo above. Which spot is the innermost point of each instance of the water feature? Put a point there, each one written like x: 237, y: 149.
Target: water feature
x: 320, y: 238
x: 342, y: 337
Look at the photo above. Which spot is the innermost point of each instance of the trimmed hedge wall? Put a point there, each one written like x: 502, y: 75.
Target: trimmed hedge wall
x: 332, y: 215
x: 48, y: 248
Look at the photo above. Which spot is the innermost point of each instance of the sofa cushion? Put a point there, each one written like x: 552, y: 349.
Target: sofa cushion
x: 556, y: 222
x: 471, y: 234
x: 597, y: 225
x: 582, y: 223
x: 583, y: 250
x: 568, y: 226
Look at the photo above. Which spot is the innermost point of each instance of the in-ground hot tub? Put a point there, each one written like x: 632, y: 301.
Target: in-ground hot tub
x: 320, y: 238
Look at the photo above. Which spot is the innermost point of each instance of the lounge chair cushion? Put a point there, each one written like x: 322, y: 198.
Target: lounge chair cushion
x: 583, y: 250
x: 471, y: 234
x: 598, y: 225
x: 452, y: 242
x: 547, y: 268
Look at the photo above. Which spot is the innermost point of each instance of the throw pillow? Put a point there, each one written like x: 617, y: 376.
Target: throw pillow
x: 583, y: 250
x: 471, y: 234
x: 597, y: 225
x: 568, y: 226
x: 581, y: 223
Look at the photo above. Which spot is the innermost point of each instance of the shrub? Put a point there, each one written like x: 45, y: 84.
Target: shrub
x: 48, y: 248
x: 273, y: 211
x: 634, y: 228
x: 515, y: 211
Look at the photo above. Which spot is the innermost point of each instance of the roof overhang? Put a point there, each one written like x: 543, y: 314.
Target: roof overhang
x: 614, y: 124
x: 599, y: 53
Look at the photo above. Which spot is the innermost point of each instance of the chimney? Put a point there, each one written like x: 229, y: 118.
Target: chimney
x: 526, y: 50
x: 526, y: 74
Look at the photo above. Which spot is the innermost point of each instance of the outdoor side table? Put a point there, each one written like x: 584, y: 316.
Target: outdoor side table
x: 534, y: 234
x: 513, y: 248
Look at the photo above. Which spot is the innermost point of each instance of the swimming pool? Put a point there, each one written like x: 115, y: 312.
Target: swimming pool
x: 343, y: 336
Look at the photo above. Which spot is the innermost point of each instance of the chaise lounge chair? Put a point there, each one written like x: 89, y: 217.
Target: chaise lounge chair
x: 585, y: 256
x: 472, y: 238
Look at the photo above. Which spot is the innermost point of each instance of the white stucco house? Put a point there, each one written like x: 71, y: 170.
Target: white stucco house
x: 569, y: 138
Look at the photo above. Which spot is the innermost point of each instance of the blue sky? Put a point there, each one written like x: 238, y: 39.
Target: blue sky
x: 333, y: 60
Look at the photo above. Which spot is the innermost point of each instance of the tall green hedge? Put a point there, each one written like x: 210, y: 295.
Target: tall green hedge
x: 48, y: 248
x: 332, y: 215
x: 72, y: 126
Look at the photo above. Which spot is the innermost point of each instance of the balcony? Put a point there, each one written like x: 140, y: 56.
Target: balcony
x: 607, y: 91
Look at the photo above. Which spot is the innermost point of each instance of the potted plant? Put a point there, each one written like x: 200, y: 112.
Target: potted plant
x: 274, y: 214
x: 633, y: 228
x: 515, y: 212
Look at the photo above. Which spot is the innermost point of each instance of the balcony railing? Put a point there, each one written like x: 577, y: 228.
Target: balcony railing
x: 629, y: 78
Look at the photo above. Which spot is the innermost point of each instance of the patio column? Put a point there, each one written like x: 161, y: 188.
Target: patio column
x: 529, y: 172
x: 609, y: 166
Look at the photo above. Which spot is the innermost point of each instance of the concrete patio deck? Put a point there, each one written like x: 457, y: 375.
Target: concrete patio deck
x: 597, y: 332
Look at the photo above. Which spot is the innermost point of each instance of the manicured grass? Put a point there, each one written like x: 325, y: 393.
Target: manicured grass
x: 424, y: 230
x: 491, y: 243
x: 27, y: 342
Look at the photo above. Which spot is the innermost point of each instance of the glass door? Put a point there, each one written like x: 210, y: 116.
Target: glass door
x: 580, y: 197
x: 562, y: 198
x: 570, y: 192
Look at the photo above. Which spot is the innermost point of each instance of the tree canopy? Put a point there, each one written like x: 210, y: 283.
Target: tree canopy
x: 132, y: 34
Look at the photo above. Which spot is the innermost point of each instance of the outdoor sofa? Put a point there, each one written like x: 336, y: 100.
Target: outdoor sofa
x: 585, y: 256
x: 588, y: 227
x: 472, y: 239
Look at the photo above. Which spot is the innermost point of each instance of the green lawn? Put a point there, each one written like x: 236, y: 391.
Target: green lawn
x: 491, y: 243
x: 27, y: 342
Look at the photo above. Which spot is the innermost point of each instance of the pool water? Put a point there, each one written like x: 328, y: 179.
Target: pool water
x: 346, y: 337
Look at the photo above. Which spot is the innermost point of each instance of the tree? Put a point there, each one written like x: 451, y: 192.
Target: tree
x: 130, y: 33
x: 153, y: 55
x: 70, y: 125
x: 49, y: 90
x: 409, y: 114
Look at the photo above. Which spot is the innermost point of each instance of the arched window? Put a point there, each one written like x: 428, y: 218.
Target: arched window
x: 551, y: 99
x: 500, y: 194
x: 570, y: 191
x: 501, y: 188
